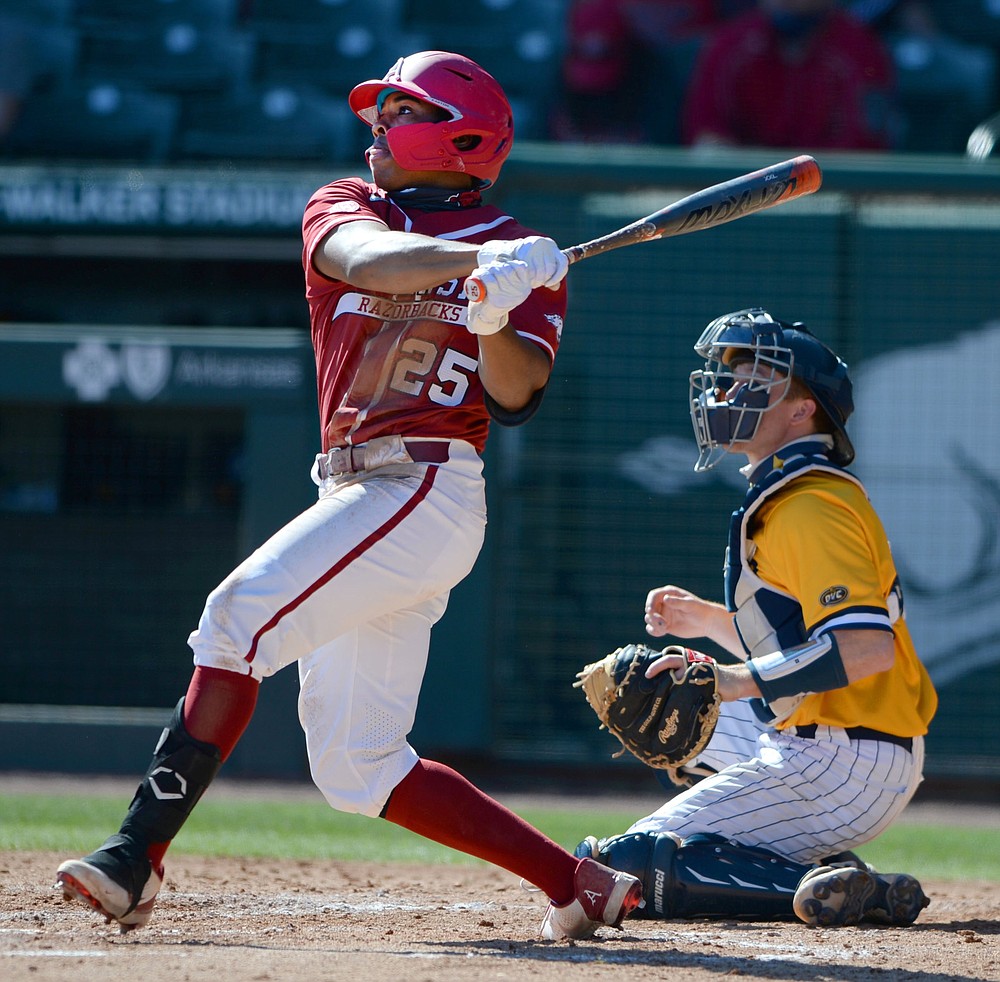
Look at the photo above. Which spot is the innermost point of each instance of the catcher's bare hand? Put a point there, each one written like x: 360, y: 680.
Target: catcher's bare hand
x: 734, y: 681
x: 667, y: 663
x: 673, y: 610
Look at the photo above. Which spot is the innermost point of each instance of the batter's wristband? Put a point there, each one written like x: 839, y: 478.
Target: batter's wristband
x: 815, y: 666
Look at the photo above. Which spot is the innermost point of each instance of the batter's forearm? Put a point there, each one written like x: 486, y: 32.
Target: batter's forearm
x: 400, y: 262
x: 512, y: 369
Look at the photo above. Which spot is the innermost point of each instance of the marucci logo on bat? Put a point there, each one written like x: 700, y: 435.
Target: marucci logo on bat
x: 736, y: 206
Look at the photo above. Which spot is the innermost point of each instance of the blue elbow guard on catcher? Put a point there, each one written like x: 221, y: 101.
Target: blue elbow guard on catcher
x: 815, y: 666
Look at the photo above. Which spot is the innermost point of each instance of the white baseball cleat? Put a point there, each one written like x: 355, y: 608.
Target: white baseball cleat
x: 94, y: 880
x: 603, y: 896
x: 831, y: 896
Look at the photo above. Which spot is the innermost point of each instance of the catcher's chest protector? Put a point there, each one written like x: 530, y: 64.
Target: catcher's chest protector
x: 768, y: 619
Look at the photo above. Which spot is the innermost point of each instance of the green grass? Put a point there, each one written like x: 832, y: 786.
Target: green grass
x: 311, y: 830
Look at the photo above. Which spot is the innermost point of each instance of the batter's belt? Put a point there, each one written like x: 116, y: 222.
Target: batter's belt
x: 858, y: 733
x: 378, y: 453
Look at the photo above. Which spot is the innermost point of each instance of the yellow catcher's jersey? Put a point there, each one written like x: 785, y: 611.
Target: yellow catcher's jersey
x: 818, y: 539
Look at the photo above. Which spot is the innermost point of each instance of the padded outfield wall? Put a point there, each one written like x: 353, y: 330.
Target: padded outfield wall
x: 122, y: 502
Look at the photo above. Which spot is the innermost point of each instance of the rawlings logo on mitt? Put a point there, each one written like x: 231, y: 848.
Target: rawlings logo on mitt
x: 665, y: 720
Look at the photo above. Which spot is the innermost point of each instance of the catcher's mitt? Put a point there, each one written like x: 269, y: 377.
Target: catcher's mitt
x: 665, y: 720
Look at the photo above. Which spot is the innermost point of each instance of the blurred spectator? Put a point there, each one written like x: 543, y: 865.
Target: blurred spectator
x: 19, y: 67
x: 599, y: 75
x: 617, y: 51
x: 802, y: 74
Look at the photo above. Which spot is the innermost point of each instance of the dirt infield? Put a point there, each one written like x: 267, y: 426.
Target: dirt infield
x: 343, y: 922
x: 330, y: 921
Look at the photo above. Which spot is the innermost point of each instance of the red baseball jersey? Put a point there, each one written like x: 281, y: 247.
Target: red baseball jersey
x: 405, y: 364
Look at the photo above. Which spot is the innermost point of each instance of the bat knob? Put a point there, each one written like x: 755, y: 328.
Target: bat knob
x: 474, y: 289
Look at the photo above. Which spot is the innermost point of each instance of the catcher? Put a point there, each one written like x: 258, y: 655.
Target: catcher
x: 812, y: 742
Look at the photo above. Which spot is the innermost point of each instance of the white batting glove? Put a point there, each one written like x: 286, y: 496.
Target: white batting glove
x: 544, y: 259
x: 507, y: 284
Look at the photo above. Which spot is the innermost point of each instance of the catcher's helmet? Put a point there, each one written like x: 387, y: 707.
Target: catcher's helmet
x: 768, y: 344
x: 477, y: 107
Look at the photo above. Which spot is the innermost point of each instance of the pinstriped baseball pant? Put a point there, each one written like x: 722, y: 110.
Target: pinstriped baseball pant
x: 804, y: 799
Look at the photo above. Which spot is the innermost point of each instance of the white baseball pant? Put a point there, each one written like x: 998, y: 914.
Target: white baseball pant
x: 350, y: 590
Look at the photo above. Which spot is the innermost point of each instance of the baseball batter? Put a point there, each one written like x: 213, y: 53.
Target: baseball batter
x: 410, y: 374
x: 819, y: 745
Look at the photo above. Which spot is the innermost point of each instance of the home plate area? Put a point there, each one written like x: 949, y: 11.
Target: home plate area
x: 340, y: 922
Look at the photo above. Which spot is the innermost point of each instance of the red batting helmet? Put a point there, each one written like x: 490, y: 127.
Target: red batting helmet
x: 474, y: 101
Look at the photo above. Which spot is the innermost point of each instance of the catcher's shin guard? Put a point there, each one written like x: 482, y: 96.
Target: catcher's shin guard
x: 181, y: 770
x: 705, y: 876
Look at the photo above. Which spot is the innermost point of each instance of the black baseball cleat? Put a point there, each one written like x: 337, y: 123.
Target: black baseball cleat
x: 114, y: 882
x: 841, y: 896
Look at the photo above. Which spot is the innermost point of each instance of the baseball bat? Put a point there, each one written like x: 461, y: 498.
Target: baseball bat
x: 715, y: 205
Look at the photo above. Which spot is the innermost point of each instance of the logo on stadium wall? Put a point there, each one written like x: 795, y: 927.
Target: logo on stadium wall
x: 921, y: 429
x: 93, y: 368
x: 145, y: 368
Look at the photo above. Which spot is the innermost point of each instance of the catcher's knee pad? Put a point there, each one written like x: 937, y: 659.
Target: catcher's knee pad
x: 181, y: 770
x: 705, y: 876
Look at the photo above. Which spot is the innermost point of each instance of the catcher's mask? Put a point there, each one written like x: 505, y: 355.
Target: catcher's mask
x: 477, y: 136
x: 776, y: 352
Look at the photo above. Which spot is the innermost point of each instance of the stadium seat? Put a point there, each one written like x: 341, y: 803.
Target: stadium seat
x: 175, y: 56
x: 290, y: 20
x: 40, y: 11
x: 41, y: 55
x: 520, y: 42
x: 333, y: 62
x: 467, y: 20
x: 527, y: 65
x: 945, y: 88
x: 272, y: 122
x: 127, y: 17
x: 99, y: 122
x: 972, y: 21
